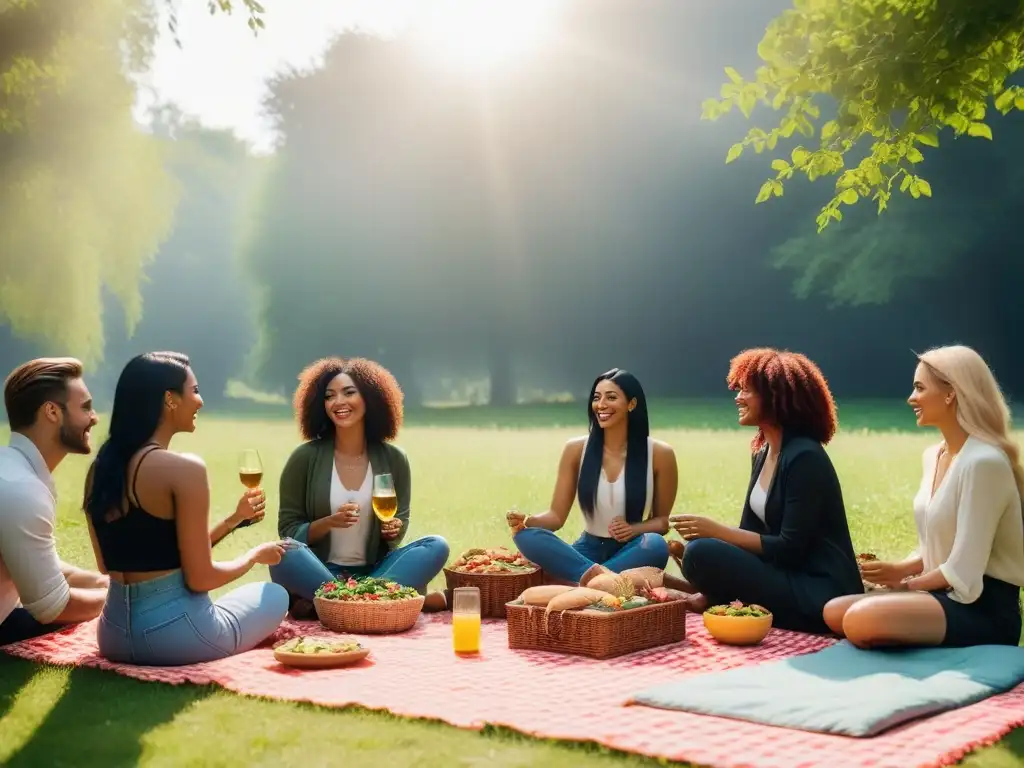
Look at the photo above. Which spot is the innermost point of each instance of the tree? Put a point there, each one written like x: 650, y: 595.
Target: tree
x: 895, y: 73
x: 196, y: 297
x: 84, y: 200
x: 254, y: 12
x: 953, y: 256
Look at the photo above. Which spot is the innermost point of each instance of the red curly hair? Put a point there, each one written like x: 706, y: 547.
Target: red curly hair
x: 379, y: 389
x: 793, y: 392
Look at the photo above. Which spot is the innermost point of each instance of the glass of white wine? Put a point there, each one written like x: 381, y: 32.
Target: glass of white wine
x: 250, y: 472
x: 385, y: 501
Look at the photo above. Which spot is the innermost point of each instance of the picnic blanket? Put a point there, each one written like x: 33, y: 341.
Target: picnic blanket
x: 845, y: 690
x: 554, y: 696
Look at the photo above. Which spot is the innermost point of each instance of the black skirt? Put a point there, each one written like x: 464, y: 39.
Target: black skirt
x: 993, y: 619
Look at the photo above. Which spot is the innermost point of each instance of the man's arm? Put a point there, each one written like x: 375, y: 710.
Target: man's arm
x: 29, y: 552
x: 82, y: 579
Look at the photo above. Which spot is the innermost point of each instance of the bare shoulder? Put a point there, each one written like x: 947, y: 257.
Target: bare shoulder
x: 663, y: 453
x: 662, y: 448
x: 574, y: 447
x: 186, y: 466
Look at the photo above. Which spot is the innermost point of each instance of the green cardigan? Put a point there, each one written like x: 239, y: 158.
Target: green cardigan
x: 306, y: 494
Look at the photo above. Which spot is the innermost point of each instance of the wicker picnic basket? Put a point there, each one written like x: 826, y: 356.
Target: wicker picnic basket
x: 369, y: 618
x: 596, y: 634
x: 496, y: 589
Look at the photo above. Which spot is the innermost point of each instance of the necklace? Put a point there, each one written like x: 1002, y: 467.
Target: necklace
x: 352, y: 462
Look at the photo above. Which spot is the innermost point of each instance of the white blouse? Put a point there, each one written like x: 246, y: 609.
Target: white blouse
x: 972, y: 526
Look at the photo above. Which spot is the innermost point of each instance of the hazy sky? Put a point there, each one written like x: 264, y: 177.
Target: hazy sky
x: 219, y: 72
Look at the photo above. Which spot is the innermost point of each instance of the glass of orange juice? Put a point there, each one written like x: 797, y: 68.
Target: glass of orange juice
x: 466, y: 620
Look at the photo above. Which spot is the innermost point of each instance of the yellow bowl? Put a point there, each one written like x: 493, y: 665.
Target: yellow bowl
x: 738, y: 630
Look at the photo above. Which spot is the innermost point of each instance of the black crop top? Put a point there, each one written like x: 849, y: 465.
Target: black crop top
x: 138, y: 541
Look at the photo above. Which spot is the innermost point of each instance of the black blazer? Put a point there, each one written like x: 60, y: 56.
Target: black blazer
x: 805, y: 529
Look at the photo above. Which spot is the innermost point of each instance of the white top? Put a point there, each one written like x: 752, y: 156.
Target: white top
x: 611, y: 497
x: 31, y: 574
x: 758, y: 498
x: 348, y: 545
x: 972, y: 526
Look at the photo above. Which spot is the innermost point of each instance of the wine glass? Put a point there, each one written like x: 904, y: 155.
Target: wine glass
x: 250, y: 472
x: 385, y: 501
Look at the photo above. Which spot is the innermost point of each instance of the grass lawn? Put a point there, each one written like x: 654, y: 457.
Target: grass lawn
x: 465, y: 477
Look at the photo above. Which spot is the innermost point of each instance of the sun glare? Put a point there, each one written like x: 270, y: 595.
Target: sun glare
x: 482, y: 35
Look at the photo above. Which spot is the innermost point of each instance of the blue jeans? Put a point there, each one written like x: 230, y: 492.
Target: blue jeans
x: 164, y: 623
x: 570, y: 561
x: 301, y: 572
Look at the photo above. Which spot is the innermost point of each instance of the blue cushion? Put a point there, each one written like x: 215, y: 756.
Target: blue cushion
x: 845, y: 690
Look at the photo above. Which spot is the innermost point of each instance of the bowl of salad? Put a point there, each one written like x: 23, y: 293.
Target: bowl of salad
x: 309, y: 652
x: 737, y: 623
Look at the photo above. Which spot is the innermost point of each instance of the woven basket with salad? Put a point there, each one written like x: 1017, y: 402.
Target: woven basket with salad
x: 367, y: 606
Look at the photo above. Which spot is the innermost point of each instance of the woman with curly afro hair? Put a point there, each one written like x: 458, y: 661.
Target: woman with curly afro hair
x: 348, y: 412
x: 792, y: 551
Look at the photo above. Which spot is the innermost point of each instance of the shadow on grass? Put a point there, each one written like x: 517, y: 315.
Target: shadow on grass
x: 14, y: 675
x: 102, y: 719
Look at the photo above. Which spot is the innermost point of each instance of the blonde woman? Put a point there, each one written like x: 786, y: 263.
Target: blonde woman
x: 962, y: 586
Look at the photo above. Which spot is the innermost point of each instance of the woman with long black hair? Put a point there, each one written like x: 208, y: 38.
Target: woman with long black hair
x: 148, y: 510
x: 625, y: 482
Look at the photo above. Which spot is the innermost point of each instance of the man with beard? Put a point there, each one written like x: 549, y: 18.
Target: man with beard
x: 50, y: 413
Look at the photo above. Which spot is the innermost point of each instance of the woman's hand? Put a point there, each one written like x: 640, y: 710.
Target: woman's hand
x: 692, y: 527
x: 516, y: 520
x: 267, y: 554
x: 390, y: 529
x: 250, y: 508
x: 346, y: 516
x: 883, y: 574
x: 620, y: 530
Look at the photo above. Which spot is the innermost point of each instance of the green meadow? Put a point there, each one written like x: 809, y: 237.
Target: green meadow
x: 469, y: 465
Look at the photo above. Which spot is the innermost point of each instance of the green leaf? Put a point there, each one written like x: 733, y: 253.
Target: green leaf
x: 734, y: 152
x: 928, y: 139
x: 914, y: 155
x: 924, y: 187
x: 980, y: 130
x: 849, y: 196
x: 958, y: 123
x: 905, y: 183
x: 773, y: 139
x: 1019, y: 101
x: 710, y: 109
x: 764, y: 193
x: 747, y: 102
x: 1004, y: 102
x: 829, y: 129
x: 780, y: 165
x: 776, y: 187
x: 799, y: 156
x: 733, y: 75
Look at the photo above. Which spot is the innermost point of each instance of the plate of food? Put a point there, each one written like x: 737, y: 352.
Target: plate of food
x: 309, y: 652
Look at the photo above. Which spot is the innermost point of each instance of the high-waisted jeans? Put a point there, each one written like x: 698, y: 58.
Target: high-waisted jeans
x: 163, y: 623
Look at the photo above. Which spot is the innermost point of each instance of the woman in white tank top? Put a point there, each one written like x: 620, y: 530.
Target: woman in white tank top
x: 625, y: 483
